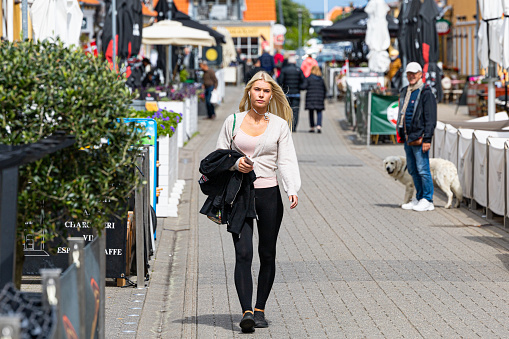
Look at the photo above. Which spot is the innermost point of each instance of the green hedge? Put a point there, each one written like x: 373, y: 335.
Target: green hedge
x: 45, y: 87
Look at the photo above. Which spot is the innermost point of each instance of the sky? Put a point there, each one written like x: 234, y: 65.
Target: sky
x: 317, y: 5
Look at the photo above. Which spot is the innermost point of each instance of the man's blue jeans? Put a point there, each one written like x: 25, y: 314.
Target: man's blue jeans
x: 418, y: 166
x: 210, y: 107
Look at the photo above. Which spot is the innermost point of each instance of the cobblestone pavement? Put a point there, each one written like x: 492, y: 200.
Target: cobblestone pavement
x: 350, y: 264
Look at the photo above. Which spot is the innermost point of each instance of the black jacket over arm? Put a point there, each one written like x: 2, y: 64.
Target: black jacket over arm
x: 231, y: 192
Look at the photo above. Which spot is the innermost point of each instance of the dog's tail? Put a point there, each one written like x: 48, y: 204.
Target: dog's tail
x: 456, y: 189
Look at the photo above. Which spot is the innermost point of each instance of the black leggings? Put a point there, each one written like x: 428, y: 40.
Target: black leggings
x: 269, y: 208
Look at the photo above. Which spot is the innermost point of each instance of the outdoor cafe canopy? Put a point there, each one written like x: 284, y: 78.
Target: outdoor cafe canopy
x: 168, y: 32
x: 354, y: 27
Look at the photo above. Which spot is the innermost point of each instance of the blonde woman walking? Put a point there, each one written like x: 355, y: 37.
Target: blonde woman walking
x: 262, y: 133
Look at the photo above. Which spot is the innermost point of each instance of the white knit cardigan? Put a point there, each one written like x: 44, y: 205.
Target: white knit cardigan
x: 274, y: 150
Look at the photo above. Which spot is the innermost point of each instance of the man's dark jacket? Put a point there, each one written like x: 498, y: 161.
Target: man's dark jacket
x: 424, y: 118
x: 292, y: 80
x: 267, y: 63
x: 231, y: 192
x: 251, y: 73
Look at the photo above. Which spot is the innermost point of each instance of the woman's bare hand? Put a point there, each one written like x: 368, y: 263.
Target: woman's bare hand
x: 294, y: 201
x: 244, y: 167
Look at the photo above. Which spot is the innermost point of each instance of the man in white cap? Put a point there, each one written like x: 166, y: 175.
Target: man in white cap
x: 416, y: 123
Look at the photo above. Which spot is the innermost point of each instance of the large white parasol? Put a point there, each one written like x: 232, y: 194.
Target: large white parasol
x: 377, y: 35
x: 491, y: 11
x: 490, y: 49
x: 504, y: 35
x: 168, y: 32
x: 229, y: 52
x: 57, y: 18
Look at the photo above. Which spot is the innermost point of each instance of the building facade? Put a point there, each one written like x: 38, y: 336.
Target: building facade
x: 11, y: 20
x: 458, y: 48
x: 249, y: 22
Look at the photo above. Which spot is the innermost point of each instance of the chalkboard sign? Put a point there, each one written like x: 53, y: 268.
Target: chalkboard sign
x: 40, y: 253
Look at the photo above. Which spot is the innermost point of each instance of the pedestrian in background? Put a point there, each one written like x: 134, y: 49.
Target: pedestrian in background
x: 307, y: 64
x: 315, y: 97
x: 209, y: 84
x: 416, y: 124
x: 292, y: 81
x: 255, y: 69
x: 267, y: 61
x: 262, y: 133
x: 394, y: 68
x: 278, y: 61
x: 285, y: 61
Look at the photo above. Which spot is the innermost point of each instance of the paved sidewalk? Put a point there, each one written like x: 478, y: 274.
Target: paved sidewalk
x: 350, y: 262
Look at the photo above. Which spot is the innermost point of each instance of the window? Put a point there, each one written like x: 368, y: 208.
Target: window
x: 248, y: 46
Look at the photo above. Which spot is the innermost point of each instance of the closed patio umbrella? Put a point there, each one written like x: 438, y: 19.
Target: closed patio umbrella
x: 377, y: 35
x: 162, y: 8
x: 168, y: 32
x: 504, y: 36
x: 57, y: 18
x: 432, y: 74
x: 489, y: 50
x: 129, y: 21
x: 410, y: 48
x: 491, y: 24
x: 229, y: 52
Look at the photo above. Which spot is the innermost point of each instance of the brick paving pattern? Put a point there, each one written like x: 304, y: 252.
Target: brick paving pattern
x: 350, y: 263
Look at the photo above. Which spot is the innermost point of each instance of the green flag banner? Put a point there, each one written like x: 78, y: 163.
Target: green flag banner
x: 384, y: 114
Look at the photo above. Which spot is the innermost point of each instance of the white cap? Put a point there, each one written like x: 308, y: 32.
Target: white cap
x: 413, y: 67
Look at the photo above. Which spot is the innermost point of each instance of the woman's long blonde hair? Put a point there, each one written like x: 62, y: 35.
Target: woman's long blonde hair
x: 316, y: 71
x: 278, y: 104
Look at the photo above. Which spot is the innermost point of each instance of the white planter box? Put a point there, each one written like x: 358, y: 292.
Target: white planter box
x: 178, y: 107
x: 181, y: 133
x: 168, y: 172
x: 187, y: 117
x: 193, y: 115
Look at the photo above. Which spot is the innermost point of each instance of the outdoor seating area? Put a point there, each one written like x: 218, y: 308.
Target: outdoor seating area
x: 372, y: 114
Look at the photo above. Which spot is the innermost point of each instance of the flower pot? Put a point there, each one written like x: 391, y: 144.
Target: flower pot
x: 178, y: 107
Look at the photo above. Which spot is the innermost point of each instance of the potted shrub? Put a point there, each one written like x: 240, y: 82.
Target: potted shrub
x: 46, y: 87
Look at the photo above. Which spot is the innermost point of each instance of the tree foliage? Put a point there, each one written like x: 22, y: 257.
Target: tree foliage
x: 291, y: 19
x: 45, y: 87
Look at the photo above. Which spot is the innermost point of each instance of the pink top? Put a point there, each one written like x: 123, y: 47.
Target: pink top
x: 247, y: 144
x: 307, y: 65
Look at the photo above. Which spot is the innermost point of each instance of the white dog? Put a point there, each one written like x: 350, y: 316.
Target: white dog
x: 443, y: 172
